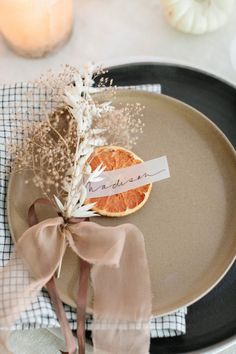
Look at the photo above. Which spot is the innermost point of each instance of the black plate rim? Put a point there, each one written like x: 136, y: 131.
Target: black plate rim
x: 175, y: 65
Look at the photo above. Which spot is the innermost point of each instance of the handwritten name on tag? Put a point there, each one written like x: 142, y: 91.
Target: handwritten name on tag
x: 124, y: 179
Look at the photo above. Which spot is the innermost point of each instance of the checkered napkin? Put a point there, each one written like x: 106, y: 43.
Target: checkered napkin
x: 14, y: 110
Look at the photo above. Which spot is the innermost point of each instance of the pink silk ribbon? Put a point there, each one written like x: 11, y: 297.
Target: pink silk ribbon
x: 82, y: 292
x: 119, y: 273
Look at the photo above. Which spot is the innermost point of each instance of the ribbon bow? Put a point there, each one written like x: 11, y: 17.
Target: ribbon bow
x: 119, y: 274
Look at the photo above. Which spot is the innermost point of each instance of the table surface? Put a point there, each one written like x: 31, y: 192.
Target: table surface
x: 111, y: 32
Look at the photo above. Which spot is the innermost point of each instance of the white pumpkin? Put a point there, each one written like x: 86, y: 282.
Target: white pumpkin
x: 197, y: 16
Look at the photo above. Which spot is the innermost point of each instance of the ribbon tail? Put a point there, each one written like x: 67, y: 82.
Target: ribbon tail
x: 18, y: 289
x: 69, y: 338
x: 25, y: 275
x: 81, y: 303
x: 121, y: 286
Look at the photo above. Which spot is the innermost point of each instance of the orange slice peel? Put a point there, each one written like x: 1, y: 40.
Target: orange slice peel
x: 125, y: 203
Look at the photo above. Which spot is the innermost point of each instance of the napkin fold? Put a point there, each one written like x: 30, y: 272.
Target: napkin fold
x: 13, y: 112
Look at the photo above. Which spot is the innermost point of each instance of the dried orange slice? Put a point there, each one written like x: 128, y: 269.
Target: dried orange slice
x: 115, y: 157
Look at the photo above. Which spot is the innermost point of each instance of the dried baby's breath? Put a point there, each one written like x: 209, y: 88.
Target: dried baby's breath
x: 47, y: 151
x: 127, y: 122
x: 56, y: 149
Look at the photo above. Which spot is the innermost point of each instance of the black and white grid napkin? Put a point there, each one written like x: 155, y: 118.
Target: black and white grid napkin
x: 14, y: 110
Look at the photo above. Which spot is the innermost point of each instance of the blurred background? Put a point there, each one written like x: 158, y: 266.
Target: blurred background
x: 117, y: 31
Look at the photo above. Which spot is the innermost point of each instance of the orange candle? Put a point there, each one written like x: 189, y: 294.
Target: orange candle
x: 35, y: 27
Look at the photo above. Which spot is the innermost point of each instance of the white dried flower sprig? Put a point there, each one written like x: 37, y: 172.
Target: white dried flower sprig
x: 84, y: 110
x: 77, y: 193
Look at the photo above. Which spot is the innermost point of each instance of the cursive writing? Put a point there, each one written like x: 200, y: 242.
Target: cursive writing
x: 119, y: 183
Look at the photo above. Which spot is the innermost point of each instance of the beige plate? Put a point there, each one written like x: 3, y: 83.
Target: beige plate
x: 189, y: 221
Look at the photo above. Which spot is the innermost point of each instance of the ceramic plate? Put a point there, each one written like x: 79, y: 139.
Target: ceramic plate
x: 216, y: 98
x: 189, y: 221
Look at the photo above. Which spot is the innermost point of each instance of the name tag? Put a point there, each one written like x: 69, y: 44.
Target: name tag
x: 124, y: 179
